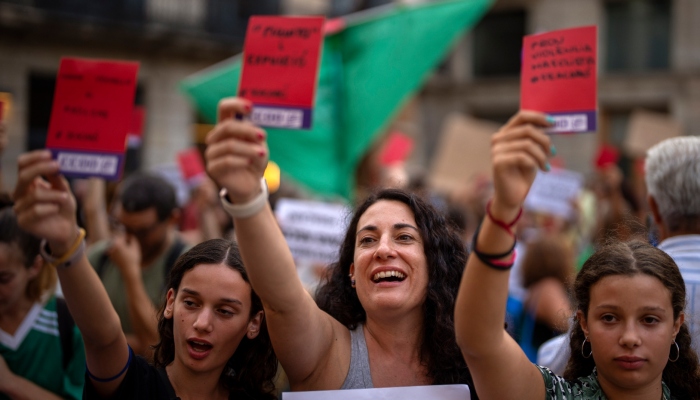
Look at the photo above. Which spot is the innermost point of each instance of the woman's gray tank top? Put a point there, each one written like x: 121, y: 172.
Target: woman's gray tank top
x: 359, y: 376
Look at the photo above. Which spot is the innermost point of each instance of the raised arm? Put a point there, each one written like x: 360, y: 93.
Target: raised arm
x: 46, y: 208
x: 304, y: 337
x: 499, y: 367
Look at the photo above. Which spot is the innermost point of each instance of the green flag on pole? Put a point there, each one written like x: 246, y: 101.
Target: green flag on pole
x: 369, y: 70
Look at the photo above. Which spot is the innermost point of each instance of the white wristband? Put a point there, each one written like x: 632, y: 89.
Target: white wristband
x: 248, y: 209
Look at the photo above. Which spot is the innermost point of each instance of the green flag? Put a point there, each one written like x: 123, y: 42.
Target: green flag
x: 369, y: 69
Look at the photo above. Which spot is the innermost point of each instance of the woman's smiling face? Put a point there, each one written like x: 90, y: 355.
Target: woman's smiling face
x: 631, y: 329
x: 390, y: 267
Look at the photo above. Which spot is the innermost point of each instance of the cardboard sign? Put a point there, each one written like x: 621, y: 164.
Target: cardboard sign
x: 648, y: 128
x: 463, y: 151
x: 559, y: 77
x: 135, y: 136
x: 191, y: 166
x: 397, y: 149
x: 280, y: 67
x: 437, y: 392
x: 92, y: 110
x: 553, y: 192
x: 313, y: 230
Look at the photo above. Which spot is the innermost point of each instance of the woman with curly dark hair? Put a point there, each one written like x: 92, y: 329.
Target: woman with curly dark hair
x: 384, y: 316
x: 629, y: 340
x: 214, y: 343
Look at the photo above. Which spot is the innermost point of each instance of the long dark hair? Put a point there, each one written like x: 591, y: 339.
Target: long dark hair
x: 252, y: 368
x: 632, y: 258
x: 446, y: 256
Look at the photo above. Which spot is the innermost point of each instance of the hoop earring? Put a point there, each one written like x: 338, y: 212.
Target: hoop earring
x: 583, y: 352
x: 678, y: 352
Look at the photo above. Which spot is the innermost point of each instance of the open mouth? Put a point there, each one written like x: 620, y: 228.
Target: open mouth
x: 388, y: 276
x: 199, y: 347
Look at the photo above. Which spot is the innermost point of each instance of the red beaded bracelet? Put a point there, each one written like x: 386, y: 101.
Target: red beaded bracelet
x: 502, y: 224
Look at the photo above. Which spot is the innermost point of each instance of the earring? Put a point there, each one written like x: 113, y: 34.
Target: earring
x: 352, y: 281
x: 678, y: 352
x: 583, y: 352
x: 166, y: 313
x: 251, y: 334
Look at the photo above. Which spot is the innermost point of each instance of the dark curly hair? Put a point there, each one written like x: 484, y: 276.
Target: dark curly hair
x: 632, y: 258
x: 252, y: 368
x: 446, y: 256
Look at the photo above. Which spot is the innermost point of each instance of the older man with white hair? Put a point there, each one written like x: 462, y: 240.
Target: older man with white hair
x: 672, y: 172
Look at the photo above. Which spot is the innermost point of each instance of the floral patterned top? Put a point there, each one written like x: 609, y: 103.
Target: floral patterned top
x: 586, y: 388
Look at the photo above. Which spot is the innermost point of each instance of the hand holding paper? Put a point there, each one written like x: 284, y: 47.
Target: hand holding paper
x: 237, y: 152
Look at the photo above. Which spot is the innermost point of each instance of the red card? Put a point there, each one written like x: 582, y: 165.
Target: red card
x: 397, y: 149
x: 191, y: 164
x: 280, y: 67
x: 91, y: 115
x: 559, y: 77
x: 138, y: 117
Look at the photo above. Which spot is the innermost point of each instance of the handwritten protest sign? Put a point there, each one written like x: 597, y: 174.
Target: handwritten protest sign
x: 280, y: 66
x: 437, y: 392
x: 313, y: 230
x: 191, y: 166
x: 647, y: 128
x: 92, y: 110
x: 553, y: 192
x: 559, y: 77
x: 463, y: 151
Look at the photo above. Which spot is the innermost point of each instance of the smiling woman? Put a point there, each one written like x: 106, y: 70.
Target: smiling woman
x: 384, y: 318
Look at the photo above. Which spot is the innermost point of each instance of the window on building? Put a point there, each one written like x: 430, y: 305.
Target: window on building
x: 638, y: 34
x: 498, y: 40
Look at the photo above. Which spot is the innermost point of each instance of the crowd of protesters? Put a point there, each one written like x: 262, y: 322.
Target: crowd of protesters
x: 160, y: 300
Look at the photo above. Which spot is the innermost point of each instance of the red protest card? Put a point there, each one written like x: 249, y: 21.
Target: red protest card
x: 559, y: 77
x: 280, y: 67
x: 138, y: 116
x: 91, y: 114
x: 397, y: 149
x: 191, y: 164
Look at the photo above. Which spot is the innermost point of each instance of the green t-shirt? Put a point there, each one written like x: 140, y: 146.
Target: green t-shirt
x: 153, y: 280
x: 34, y: 352
x: 587, y: 388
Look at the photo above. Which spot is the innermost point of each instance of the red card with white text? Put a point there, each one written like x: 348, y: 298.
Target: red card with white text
x: 280, y: 68
x: 191, y: 165
x: 559, y: 77
x: 91, y: 115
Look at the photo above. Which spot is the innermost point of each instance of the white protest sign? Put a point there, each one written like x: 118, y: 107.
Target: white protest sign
x: 437, y: 392
x: 553, y: 192
x: 314, y: 230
